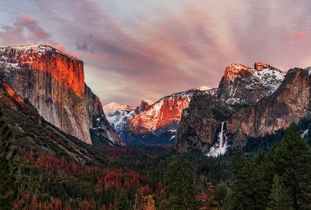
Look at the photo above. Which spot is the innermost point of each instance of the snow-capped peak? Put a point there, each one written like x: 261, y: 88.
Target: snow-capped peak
x: 245, y: 85
x: 203, y: 88
x: 38, y: 49
x: 236, y: 70
x: 113, y: 107
x: 34, y: 48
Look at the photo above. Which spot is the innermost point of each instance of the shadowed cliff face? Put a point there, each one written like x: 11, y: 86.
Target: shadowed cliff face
x: 288, y: 104
x: 258, y: 102
x: 54, y: 85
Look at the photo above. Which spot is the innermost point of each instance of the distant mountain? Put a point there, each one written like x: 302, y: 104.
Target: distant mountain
x: 118, y: 115
x: 113, y: 107
x: 151, y: 123
x: 215, y: 121
x: 53, y: 83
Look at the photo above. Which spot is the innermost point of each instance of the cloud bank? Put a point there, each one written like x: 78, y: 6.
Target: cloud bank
x: 146, y: 49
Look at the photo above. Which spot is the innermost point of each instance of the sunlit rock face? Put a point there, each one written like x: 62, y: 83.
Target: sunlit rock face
x: 151, y: 123
x: 67, y: 70
x: 11, y: 98
x: 253, y: 102
x: 165, y: 112
x: 235, y: 70
x: 54, y: 84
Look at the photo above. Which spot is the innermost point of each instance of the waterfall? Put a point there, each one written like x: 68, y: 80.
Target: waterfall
x: 221, y: 135
x: 220, y: 147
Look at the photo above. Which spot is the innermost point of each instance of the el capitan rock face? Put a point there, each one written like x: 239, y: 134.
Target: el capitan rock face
x: 67, y: 70
x: 214, y: 117
x: 54, y: 84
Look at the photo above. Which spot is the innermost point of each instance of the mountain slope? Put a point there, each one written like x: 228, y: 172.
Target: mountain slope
x: 32, y: 132
x: 54, y: 84
x: 206, y: 122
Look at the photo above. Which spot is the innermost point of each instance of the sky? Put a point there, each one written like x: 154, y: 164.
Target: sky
x: 146, y: 49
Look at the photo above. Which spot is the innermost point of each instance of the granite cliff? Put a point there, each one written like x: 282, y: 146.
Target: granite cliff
x: 249, y: 102
x: 53, y: 83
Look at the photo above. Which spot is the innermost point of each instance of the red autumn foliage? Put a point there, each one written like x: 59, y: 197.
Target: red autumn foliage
x: 160, y: 193
x: 119, y: 178
x: 145, y: 190
x: 87, y: 205
x: 31, y: 157
x: 152, y: 157
x: 117, y: 152
x: 107, y: 177
x: 29, y: 201
x: 57, y: 165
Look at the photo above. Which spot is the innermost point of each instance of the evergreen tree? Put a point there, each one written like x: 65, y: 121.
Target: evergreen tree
x: 180, y: 190
x: 250, y: 189
x: 123, y: 201
x: 220, y: 194
x: 280, y: 198
x: 7, y: 179
x: 291, y: 160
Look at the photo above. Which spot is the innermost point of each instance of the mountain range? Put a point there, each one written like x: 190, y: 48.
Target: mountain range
x: 248, y: 102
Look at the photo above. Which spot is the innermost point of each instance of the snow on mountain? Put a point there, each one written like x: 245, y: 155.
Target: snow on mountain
x: 240, y: 88
x: 204, y: 87
x: 150, y: 120
x: 113, y: 107
x: 243, y: 85
x: 118, y: 115
x: 119, y: 118
x: 164, y: 112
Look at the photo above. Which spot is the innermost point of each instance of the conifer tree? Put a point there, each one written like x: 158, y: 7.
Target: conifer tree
x: 7, y: 179
x: 291, y: 160
x: 280, y: 198
x: 180, y: 190
x: 250, y: 189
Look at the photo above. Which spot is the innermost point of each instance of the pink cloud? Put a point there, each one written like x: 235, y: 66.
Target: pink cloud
x: 298, y: 37
x: 106, y: 57
x: 25, y: 30
x: 92, y: 56
x: 181, y: 49
x: 63, y: 50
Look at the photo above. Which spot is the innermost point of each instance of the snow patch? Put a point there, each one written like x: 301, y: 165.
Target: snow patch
x: 113, y: 107
x: 204, y: 87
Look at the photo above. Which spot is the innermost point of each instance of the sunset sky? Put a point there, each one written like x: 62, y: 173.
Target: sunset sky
x: 146, y: 49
